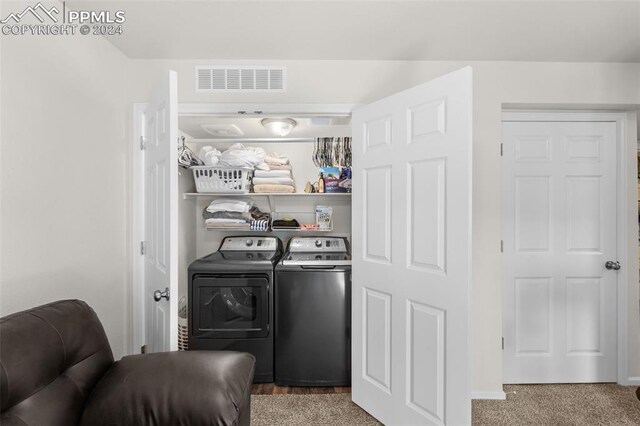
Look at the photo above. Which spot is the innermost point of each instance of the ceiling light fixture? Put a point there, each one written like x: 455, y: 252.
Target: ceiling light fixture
x: 279, y: 126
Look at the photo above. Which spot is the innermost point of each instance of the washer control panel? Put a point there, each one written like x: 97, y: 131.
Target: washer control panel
x: 249, y: 243
x: 318, y: 244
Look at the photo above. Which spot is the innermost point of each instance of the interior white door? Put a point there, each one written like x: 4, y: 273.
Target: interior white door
x: 559, y: 229
x: 161, y: 218
x: 412, y: 253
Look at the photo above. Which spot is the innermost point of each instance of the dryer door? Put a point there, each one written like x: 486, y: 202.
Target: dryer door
x: 230, y: 306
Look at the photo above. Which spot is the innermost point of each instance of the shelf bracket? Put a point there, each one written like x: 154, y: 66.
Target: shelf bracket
x: 271, y: 209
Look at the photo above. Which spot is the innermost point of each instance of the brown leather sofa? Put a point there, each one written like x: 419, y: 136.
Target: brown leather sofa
x: 56, y: 368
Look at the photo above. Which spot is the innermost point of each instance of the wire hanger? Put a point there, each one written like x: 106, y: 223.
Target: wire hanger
x: 186, y: 157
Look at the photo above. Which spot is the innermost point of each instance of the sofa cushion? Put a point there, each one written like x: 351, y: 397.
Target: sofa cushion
x: 51, y: 357
x: 174, y: 388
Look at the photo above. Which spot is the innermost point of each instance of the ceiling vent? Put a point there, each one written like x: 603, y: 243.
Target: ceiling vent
x: 222, y: 130
x: 240, y: 79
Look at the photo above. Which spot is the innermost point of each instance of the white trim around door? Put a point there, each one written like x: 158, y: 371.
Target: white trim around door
x: 137, y: 230
x: 137, y: 181
x: 623, y: 234
x: 488, y: 395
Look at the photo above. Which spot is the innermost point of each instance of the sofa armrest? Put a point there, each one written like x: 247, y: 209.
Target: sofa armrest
x: 174, y: 388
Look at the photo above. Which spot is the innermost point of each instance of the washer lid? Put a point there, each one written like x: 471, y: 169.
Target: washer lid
x: 239, y: 258
x: 248, y: 256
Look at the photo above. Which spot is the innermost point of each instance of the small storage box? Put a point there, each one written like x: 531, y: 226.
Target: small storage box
x: 222, y: 179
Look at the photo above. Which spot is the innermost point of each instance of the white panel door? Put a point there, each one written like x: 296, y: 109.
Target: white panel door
x: 412, y: 254
x: 559, y: 221
x: 161, y: 218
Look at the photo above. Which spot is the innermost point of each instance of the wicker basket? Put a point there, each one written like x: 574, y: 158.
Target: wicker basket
x: 233, y: 180
x: 183, y: 327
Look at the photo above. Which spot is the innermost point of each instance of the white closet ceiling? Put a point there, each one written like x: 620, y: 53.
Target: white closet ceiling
x: 558, y: 31
x: 250, y: 127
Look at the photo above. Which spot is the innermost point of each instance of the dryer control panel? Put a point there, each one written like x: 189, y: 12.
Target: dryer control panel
x: 318, y: 244
x: 249, y: 243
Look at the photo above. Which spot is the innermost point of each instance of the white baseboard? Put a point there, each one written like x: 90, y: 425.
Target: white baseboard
x: 488, y: 395
x: 633, y: 381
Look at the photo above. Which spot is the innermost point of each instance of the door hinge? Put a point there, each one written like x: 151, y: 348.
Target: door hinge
x: 503, y: 343
x: 501, y: 149
x: 501, y: 246
x: 141, y: 143
x: 143, y: 349
x: 142, y: 248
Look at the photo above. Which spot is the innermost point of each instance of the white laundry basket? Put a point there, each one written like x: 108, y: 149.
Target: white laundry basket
x: 222, y: 179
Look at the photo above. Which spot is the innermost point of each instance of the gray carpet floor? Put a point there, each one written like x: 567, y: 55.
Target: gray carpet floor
x: 540, y: 405
x: 319, y: 409
x: 561, y: 405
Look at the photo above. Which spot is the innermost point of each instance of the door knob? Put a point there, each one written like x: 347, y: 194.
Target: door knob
x: 610, y: 264
x: 157, y: 295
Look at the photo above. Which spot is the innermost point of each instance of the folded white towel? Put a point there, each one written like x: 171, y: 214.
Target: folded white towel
x: 228, y: 208
x: 273, y: 181
x: 273, y: 188
x: 230, y: 205
x: 275, y: 158
x: 221, y: 220
x: 272, y: 173
x: 278, y: 167
x: 212, y: 223
x: 239, y: 200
